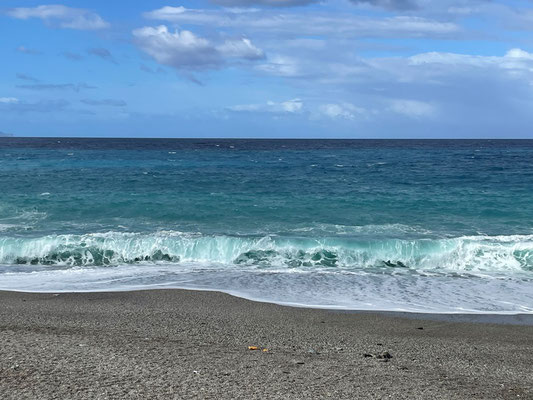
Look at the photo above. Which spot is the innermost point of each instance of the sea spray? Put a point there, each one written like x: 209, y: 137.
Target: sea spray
x: 497, y: 254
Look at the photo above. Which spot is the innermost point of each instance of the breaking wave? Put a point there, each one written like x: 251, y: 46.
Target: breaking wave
x: 469, y: 253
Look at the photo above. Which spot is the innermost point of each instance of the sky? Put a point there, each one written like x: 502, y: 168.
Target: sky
x: 267, y: 68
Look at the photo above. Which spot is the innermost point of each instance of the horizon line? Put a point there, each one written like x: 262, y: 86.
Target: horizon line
x: 251, y: 138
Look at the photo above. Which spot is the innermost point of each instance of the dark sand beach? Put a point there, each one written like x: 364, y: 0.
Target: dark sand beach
x: 187, y: 344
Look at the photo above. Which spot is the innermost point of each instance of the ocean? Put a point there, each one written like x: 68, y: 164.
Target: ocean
x: 438, y: 226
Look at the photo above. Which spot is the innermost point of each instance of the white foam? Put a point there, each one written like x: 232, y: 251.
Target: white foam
x: 318, y: 289
x: 478, y: 274
x: 471, y: 254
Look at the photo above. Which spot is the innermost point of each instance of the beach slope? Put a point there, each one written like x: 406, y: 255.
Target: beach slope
x: 188, y: 344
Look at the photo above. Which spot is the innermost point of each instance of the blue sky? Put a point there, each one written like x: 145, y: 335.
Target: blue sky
x: 267, y: 68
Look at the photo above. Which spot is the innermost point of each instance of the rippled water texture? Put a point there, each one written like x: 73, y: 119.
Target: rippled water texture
x: 438, y: 226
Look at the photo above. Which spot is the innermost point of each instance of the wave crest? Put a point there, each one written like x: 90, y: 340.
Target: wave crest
x: 473, y: 253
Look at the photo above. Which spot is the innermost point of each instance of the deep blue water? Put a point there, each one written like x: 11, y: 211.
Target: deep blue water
x: 419, y: 225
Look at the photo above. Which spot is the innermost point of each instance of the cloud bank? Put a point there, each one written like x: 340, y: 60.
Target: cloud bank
x: 298, y: 24
x: 61, y: 16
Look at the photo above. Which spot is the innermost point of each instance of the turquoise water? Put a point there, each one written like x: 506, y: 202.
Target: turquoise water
x: 438, y: 226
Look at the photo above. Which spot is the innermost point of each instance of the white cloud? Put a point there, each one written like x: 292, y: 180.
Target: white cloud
x: 519, y: 54
x: 61, y: 16
x: 292, y: 106
x: 423, y: 93
x: 167, y: 13
x: 186, y: 50
x: 477, y: 61
x: 342, y: 111
x: 269, y: 3
x: 178, y: 49
x: 515, y: 64
x: 519, y: 63
x: 298, y: 24
x: 432, y: 68
x: 452, y: 59
x: 240, y: 48
x: 281, y: 66
x: 8, y: 100
x: 412, y: 108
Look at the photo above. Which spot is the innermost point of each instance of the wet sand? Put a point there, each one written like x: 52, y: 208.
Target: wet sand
x: 188, y: 344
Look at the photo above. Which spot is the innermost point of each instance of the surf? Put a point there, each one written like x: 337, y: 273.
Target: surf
x: 492, y: 254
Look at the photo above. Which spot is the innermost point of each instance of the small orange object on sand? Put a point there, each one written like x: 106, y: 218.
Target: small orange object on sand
x: 253, y: 348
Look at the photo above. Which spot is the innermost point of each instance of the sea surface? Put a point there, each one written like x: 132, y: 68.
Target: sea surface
x: 440, y: 226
